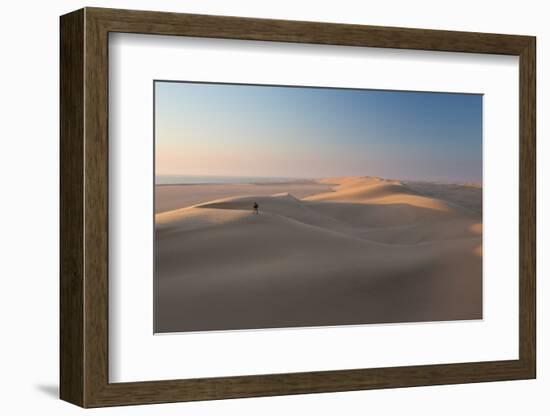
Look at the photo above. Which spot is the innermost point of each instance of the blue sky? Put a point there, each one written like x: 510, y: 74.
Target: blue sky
x: 250, y: 130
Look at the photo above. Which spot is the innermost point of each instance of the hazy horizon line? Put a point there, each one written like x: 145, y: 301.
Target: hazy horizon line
x: 432, y: 180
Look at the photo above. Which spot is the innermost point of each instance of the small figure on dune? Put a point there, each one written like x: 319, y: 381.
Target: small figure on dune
x: 256, y: 208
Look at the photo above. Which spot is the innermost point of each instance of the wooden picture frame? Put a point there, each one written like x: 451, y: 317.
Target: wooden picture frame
x: 84, y: 207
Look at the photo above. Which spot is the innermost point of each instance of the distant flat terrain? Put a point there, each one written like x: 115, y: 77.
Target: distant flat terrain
x: 338, y: 251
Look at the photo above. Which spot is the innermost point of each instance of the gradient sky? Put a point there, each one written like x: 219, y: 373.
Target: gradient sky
x: 248, y: 130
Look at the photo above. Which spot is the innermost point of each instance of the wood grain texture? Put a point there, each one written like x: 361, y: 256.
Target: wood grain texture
x: 162, y: 23
x: 71, y: 202
x: 84, y: 207
x: 96, y: 219
x: 528, y: 207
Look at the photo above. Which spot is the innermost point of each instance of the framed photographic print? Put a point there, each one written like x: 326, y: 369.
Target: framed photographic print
x: 255, y: 207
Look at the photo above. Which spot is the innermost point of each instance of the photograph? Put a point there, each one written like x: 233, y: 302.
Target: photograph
x: 296, y: 206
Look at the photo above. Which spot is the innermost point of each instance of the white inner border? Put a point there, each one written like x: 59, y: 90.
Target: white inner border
x: 135, y: 354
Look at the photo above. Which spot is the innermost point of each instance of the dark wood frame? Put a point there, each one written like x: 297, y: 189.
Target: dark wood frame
x: 84, y: 207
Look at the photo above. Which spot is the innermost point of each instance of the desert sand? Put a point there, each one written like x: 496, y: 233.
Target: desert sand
x: 338, y: 251
x: 170, y: 197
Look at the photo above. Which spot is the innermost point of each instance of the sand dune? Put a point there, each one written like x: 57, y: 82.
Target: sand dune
x: 170, y: 197
x: 367, y: 250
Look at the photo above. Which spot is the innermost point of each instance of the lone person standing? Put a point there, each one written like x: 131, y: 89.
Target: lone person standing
x: 256, y: 208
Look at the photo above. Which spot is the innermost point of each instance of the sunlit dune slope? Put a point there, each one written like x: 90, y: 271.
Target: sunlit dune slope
x: 369, y: 251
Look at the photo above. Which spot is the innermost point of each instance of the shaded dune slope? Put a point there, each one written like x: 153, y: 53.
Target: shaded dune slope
x: 370, y: 251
